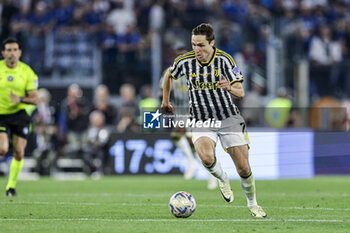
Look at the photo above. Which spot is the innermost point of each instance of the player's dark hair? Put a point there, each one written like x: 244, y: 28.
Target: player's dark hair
x: 206, y: 30
x: 9, y: 41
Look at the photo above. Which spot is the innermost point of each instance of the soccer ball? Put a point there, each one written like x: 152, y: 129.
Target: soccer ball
x: 182, y: 204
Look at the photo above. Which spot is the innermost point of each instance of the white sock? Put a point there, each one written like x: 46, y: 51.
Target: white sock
x: 185, y: 147
x: 248, y: 185
x: 216, y: 170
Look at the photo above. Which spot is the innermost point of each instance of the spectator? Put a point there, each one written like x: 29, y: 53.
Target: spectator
x: 142, y: 11
x: 128, y: 45
x: 97, y: 136
x: 41, y: 24
x: 250, y: 55
x: 252, y: 104
x: 92, y: 19
x: 121, y: 16
x: 128, y: 110
x: 197, y: 13
x: 45, y: 122
x: 102, y: 104
x: 147, y: 101
x: 63, y: 15
x: 173, y: 35
x: 9, y: 9
x: 257, y: 18
x: 109, y: 46
x: 19, y: 24
x: 324, y: 50
x: 231, y: 40
x: 277, y: 112
x: 235, y: 10
x: 42, y: 20
x: 74, y: 119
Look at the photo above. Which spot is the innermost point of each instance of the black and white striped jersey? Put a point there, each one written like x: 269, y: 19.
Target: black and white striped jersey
x: 206, y: 99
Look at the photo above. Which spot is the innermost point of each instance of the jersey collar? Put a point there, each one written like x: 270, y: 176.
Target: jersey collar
x: 210, y: 61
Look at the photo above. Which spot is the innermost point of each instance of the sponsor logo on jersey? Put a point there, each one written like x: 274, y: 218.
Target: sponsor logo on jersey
x: 206, y: 85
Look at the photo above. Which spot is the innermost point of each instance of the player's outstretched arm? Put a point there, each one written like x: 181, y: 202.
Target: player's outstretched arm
x: 167, y: 85
x: 235, y: 89
x: 31, y: 98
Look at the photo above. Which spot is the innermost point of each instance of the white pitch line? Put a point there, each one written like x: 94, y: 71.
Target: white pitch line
x: 163, y: 204
x: 49, y: 203
x: 100, y: 194
x: 305, y: 194
x: 261, y: 194
x: 276, y: 207
x: 176, y: 220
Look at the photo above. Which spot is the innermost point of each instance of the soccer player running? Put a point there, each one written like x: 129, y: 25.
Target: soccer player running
x: 213, y: 78
x: 181, y: 136
x: 18, y: 87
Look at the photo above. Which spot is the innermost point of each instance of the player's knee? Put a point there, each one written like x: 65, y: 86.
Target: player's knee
x: 208, y: 160
x: 243, y: 170
x: 18, y: 154
x: 3, y: 151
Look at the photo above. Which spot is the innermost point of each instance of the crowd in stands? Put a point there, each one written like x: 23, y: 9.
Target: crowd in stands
x: 80, y: 127
x: 121, y: 30
x: 314, y: 29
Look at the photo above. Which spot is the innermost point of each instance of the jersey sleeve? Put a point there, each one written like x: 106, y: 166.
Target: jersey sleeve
x: 32, y: 81
x: 233, y: 74
x: 176, y: 70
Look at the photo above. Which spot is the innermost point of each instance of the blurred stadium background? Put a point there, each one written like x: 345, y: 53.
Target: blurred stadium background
x: 100, y: 61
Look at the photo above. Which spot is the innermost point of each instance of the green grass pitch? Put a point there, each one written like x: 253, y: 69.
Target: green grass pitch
x: 140, y: 204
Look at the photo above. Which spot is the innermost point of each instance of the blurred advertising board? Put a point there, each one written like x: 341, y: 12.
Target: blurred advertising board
x: 272, y: 155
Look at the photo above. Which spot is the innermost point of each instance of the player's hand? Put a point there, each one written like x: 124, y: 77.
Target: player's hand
x: 14, y: 98
x: 224, y: 84
x: 168, y: 108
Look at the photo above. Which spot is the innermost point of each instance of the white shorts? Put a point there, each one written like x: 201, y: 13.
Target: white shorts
x: 232, y: 133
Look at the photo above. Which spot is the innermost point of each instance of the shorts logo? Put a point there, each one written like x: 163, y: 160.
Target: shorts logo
x: 151, y: 120
x: 25, y: 130
x: 10, y: 78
